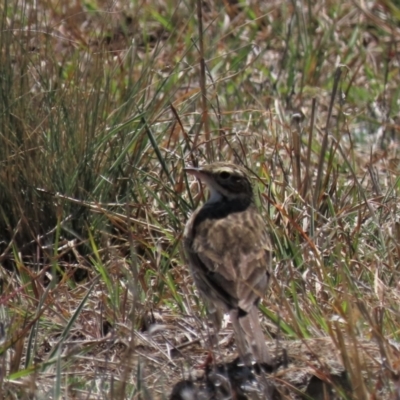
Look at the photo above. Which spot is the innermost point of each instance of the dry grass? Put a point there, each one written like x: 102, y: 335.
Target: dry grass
x: 101, y: 107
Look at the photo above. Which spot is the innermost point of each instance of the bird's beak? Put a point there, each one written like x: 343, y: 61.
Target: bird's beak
x: 197, y: 172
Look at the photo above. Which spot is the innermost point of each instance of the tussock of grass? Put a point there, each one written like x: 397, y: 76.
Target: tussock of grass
x: 100, y: 110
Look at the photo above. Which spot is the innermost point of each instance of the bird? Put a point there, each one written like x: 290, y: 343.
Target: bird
x: 229, y: 253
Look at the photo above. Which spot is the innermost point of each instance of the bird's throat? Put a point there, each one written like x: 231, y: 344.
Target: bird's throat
x: 215, y: 196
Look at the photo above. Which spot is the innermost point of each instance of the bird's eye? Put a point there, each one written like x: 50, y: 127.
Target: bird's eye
x: 224, y: 175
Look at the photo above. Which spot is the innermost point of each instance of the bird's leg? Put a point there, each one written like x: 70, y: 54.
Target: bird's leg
x: 215, y: 316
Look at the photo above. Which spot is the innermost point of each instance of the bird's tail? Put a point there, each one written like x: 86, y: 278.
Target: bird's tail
x: 249, y: 337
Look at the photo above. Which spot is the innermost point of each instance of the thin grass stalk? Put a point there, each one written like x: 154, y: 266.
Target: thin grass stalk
x: 203, y: 86
x: 324, y: 146
x: 296, y: 165
x: 307, y: 176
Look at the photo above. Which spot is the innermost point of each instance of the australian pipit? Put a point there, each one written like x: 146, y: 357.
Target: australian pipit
x: 229, y: 254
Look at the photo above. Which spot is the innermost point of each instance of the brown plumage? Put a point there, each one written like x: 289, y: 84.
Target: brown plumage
x: 229, y: 255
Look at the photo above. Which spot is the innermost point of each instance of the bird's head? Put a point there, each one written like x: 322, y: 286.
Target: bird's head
x: 224, y: 180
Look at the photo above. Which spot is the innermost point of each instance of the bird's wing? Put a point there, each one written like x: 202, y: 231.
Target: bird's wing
x: 235, y: 258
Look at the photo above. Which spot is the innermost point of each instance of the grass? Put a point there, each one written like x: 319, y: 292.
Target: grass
x: 100, y: 109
